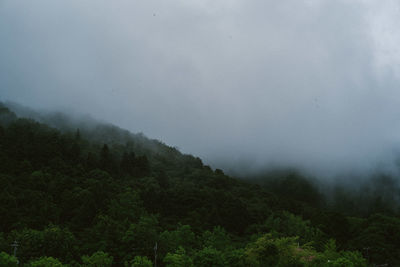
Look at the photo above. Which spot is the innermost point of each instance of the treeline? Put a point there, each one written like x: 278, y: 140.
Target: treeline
x: 353, y: 195
x: 69, y: 199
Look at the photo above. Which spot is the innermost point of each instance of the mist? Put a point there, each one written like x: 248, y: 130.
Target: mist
x: 243, y: 84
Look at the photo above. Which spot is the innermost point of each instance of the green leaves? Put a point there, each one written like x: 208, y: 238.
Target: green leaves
x: 182, y: 237
x: 178, y: 259
x: 45, y: 262
x: 97, y: 259
x: 140, y: 261
x: 53, y: 241
x: 141, y: 237
x: 7, y: 260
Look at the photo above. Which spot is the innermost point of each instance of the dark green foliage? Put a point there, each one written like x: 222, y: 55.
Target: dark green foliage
x: 7, y: 260
x: 292, y: 185
x: 45, y: 262
x: 101, y: 191
x: 141, y: 237
x: 209, y: 256
x: 178, y: 259
x: 97, y: 259
x: 183, y: 237
x: 52, y: 241
x: 140, y: 261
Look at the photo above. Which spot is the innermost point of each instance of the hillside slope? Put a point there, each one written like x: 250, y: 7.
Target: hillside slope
x: 101, y: 195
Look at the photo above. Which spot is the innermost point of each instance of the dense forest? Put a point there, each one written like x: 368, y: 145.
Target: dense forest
x: 74, y: 195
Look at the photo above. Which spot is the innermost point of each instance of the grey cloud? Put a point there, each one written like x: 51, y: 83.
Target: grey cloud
x: 299, y: 83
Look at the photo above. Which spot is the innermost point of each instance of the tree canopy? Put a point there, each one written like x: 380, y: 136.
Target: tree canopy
x: 105, y: 197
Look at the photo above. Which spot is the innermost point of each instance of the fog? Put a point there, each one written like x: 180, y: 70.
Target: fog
x: 243, y: 84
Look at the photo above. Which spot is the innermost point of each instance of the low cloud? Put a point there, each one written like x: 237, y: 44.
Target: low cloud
x: 243, y: 84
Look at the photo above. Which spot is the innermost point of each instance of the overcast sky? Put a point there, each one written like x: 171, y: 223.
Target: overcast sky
x: 306, y: 83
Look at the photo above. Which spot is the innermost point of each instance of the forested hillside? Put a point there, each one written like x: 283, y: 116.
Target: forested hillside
x: 101, y: 196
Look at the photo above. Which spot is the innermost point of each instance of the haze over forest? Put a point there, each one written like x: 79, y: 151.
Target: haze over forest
x: 307, y: 84
x: 199, y: 133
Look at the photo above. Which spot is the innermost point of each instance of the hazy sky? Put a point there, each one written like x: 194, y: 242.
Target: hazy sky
x: 310, y: 83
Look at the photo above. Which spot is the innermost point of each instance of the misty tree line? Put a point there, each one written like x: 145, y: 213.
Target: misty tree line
x: 102, y: 197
